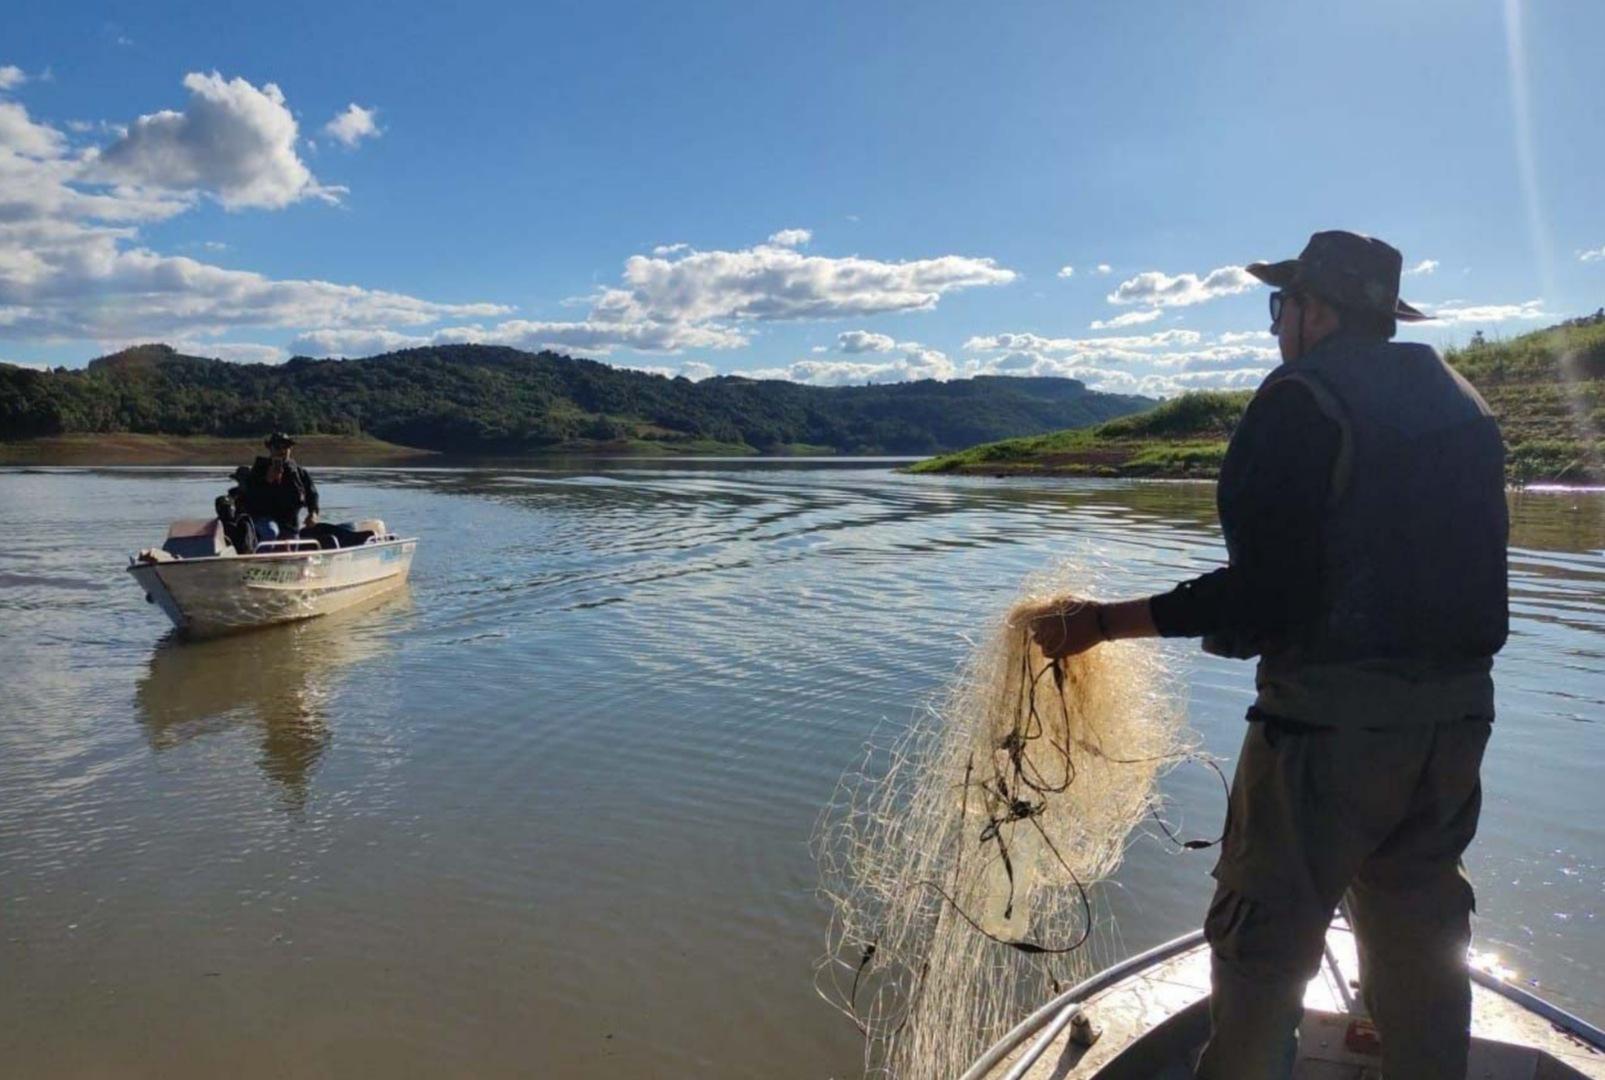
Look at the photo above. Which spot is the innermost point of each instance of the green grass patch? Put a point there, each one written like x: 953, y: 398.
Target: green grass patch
x: 1547, y: 388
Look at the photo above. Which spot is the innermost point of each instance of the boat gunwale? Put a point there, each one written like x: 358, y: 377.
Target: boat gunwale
x: 1055, y: 1013
x: 135, y: 563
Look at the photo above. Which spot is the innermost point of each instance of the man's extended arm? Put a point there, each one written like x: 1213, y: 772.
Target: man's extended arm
x: 1273, y: 492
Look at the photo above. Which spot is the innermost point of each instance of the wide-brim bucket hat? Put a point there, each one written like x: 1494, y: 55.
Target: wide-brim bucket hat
x: 1345, y: 269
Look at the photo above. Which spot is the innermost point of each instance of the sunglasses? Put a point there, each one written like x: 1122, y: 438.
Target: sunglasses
x: 1278, y: 299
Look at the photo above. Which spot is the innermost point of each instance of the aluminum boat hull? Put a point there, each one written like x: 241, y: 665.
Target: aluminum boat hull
x: 1148, y: 1017
x: 226, y: 593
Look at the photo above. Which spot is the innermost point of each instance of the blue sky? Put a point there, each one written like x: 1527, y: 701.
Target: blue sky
x: 825, y: 192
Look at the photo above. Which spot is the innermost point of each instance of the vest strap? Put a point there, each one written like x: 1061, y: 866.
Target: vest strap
x: 1332, y: 409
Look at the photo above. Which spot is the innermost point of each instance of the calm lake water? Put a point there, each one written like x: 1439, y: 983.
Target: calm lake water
x: 547, y: 813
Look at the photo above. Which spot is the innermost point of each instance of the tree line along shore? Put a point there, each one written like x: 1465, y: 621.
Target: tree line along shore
x: 1546, y: 387
x: 484, y: 401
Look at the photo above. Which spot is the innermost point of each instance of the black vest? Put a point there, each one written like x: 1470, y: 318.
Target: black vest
x: 1413, y: 571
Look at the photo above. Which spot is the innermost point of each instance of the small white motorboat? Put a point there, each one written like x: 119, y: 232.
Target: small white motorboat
x: 1148, y: 1018
x: 207, y: 587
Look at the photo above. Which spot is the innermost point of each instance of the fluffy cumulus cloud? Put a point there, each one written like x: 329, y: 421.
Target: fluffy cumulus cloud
x: 352, y: 126
x: 1130, y: 318
x: 71, y: 263
x: 690, y: 299
x: 1593, y: 255
x: 74, y: 265
x: 1457, y: 314
x: 915, y: 362
x: 1425, y: 266
x: 1153, y: 288
x: 1067, y: 271
x: 11, y: 76
x: 769, y: 282
x: 233, y: 141
x: 1103, y: 269
x: 1239, y: 337
x: 239, y: 352
x: 1119, y: 347
x: 1161, y: 364
x: 791, y: 238
x: 22, y: 137
x: 858, y: 341
x: 533, y: 336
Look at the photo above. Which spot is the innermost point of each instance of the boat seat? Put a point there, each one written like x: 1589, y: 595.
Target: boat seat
x: 198, y: 538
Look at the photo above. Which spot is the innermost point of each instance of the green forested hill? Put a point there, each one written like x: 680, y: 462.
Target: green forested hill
x: 485, y: 399
x: 1546, y: 387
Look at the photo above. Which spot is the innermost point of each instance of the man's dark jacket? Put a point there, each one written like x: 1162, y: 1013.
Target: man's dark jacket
x: 280, y: 501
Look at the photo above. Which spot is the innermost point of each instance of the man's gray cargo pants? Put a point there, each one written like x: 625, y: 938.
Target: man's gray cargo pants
x: 1382, y: 815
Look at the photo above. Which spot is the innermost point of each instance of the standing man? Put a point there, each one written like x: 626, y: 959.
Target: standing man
x: 276, y: 491
x: 1363, y: 506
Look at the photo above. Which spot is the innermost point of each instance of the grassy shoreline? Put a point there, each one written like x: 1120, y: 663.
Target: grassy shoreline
x: 1547, y: 388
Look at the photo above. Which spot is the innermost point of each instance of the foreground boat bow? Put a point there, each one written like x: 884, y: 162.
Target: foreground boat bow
x: 1148, y: 1017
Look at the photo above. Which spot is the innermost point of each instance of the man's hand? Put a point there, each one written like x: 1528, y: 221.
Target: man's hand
x: 1066, y: 627
x: 312, y: 518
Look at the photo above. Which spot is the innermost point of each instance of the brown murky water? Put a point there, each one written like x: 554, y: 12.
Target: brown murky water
x: 547, y: 813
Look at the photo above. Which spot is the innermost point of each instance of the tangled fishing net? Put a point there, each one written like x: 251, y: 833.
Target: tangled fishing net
x: 958, y: 859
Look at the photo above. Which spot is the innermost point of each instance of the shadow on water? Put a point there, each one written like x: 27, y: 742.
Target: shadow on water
x: 277, y: 680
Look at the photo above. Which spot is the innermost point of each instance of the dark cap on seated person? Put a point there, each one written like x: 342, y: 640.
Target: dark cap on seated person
x: 1346, y: 270
x: 278, y: 438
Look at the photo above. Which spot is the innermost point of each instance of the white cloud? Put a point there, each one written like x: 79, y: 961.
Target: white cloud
x: 233, y: 141
x: 71, y: 266
x: 1237, y: 337
x: 1220, y: 358
x: 237, y: 352
x: 1596, y: 255
x: 1158, y: 289
x: 1130, y: 318
x: 1067, y: 271
x: 343, y: 343
x: 697, y: 370
x: 790, y: 238
x: 80, y: 281
x: 1425, y: 266
x: 768, y: 282
x: 20, y: 135
x: 595, y: 338
x: 11, y: 77
x: 1104, y: 269
x: 1119, y: 347
x: 917, y: 362
x: 352, y: 126
x: 1453, y: 315
x: 858, y: 341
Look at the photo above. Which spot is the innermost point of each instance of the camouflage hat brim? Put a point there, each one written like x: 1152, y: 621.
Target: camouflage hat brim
x: 1285, y: 274
x: 1279, y: 274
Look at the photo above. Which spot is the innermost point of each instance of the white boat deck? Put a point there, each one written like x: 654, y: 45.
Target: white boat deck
x: 1509, y: 1038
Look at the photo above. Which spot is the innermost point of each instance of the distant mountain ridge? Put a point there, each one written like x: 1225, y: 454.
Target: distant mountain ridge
x: 492, y: 399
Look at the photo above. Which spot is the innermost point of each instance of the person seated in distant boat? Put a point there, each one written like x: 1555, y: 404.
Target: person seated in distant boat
x: 277, y: 490
x: 235, y: 516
